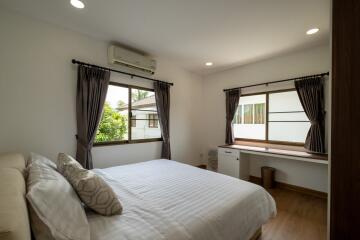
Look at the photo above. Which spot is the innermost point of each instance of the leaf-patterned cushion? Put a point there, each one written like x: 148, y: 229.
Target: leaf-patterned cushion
x: 91, y: 188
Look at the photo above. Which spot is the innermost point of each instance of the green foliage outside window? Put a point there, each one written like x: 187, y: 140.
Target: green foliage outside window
x: 112, y: 127
x: 138, y: 94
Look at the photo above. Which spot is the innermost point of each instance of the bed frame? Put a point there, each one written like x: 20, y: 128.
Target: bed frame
x: 13, y: 204
x: 14, y: 219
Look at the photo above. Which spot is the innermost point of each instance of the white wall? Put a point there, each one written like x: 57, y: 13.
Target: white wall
x: 310, y: 61
x: 37, y: 94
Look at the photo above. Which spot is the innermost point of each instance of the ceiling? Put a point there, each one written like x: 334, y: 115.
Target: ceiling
x: 191, y: 32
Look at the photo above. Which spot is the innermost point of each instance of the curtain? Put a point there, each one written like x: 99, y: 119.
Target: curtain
x: 232, y: 102
x: 311, y: 95
x: 92, y: 85
x: 162, y: 96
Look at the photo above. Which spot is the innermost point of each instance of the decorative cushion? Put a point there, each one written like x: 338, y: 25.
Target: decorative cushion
x: 55, y: 203
x: 91, y: 188
x: 64, y: 161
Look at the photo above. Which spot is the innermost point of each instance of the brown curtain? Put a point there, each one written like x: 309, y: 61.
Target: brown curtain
x: 311, y: 95
x: 232, y: 102
x: 92, y: 85
x: 162, y: 96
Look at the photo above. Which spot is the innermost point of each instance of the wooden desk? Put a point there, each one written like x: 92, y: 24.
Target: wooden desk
x: 233, y: 161
x: 277, y: 150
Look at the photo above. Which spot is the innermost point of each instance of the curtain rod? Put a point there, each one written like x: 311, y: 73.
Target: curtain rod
x: 279, y: 81
x: 74, y: 61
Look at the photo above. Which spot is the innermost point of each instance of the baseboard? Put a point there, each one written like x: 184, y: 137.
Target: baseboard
x: 257, y: 180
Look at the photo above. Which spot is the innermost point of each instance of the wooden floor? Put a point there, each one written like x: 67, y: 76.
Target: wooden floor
x: 299, y: 217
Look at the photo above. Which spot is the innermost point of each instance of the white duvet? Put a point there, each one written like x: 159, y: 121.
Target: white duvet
x: 164, y: 199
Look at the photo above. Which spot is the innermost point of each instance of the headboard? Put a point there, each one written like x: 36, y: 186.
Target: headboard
x: 14, y: 219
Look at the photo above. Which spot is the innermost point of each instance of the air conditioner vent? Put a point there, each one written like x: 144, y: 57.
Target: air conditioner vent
x: 131, y: 61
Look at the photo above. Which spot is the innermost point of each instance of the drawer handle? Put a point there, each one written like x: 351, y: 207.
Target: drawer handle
x: 227, y: 152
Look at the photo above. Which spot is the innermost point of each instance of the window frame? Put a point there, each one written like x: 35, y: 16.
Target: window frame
x: 153, y: 119
x: 133, y: 121
x: 267, y: 122
x: 129, y: 140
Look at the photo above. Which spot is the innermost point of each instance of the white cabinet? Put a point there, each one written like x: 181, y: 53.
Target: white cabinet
x: 232, y: 163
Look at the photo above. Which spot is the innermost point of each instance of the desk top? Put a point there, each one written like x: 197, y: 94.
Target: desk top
x: 276, y: 149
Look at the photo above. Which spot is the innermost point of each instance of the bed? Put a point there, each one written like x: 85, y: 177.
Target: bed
x: 165, y: 199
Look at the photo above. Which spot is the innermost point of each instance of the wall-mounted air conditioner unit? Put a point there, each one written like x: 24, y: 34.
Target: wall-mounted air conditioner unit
x: 131, y: 61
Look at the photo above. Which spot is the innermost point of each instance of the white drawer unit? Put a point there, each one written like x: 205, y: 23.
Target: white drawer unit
x: 232, y: 163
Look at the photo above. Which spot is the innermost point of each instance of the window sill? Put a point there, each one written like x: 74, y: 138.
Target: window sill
x: 103, y: 144
x: 280, y: 149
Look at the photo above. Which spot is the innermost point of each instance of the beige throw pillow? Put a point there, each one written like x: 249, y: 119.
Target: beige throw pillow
x: 91, y: 188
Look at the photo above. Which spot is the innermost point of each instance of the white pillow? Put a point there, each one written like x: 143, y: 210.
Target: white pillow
x: 56, y: 203
x: 34, y: 157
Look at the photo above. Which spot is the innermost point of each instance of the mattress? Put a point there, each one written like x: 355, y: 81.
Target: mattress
x: 165, y: 199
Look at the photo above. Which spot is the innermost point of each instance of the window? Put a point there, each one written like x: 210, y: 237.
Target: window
x: 238, y: 115
x: 248, y: 114
x: 251, y: 110
x: 287, y: 121
x: 133, y: 121
x: 259, y: 113
x: 153, y: 121
x: 124, y: 118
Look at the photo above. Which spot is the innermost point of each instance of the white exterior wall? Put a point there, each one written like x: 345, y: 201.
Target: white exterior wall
x: 142, y: 129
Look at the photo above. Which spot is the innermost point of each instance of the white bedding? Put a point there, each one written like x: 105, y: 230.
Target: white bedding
x: 165, y: 199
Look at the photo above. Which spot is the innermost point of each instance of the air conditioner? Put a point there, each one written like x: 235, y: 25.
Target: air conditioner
x: 131, y: 61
